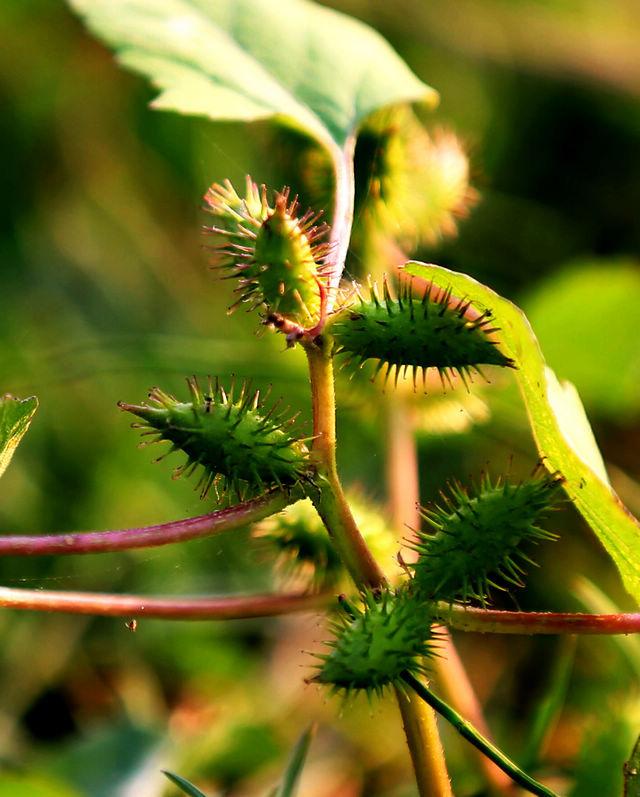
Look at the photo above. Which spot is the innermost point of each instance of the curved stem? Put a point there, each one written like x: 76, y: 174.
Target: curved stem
x: 167, y: 608
x: 467, y: 731
x: 490, y: 621
x: 423, y: 739
x: 342, y: 215
x: 330, y: 501
x: 79, y: 542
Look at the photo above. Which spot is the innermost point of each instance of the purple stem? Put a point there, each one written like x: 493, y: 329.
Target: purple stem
x: 146, y: 536
x: 169, y: 608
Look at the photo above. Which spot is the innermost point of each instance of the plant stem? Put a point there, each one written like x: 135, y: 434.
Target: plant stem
x: 423, y: 740
x: 490, y: 621
x: 456, y: 687
x: 330, y: 500
x: 403, y: 489
x: 344, y: 197
x: 167, y: 608
x: 466, y: 730
x: 420, y: 726
x: 78, y: 542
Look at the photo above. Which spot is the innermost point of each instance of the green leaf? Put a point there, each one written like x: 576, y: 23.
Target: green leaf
x: 187, y: 788
x: 313, y: 67
x: 565, y: 447
x: 15, y: 417
x: 288, y: 787
x: 587, y: 322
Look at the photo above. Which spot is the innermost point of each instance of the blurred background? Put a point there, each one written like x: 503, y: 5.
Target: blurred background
x: 105, y: 291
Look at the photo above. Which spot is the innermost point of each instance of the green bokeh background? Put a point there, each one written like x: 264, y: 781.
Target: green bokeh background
x: 105, y: 291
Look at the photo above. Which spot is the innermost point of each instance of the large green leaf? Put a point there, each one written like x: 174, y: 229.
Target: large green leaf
x: 252, y: 59
x: 15, y: 417
x: 558, y: 422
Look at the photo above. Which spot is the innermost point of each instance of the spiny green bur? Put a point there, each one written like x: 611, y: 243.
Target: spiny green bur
x: 432, y: 331
x: 374, y: 647
x: 284, y: 271
x: 275, y: 255
x: 236, y: 444
x: 477, y: 540
x: 301, y: 540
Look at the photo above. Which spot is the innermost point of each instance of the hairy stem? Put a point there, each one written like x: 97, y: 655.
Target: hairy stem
x: 490, y: 621
x: 333, y: 508
x: 79, y: 542
x: 467, y: 731
x: 166, y: 608
x: 330, y: 501
x: 423, y: 739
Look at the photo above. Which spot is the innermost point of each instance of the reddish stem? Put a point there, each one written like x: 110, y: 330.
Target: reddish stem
x: 490, y: 621
x: 168, y: 608
x: 147, y: 536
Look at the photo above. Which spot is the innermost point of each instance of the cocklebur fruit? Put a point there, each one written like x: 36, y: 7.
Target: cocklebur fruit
x: 416, y: 333
x: 276, y: 256
x: 235, y: 442
x: 478, y: 541
x: 372, y: 647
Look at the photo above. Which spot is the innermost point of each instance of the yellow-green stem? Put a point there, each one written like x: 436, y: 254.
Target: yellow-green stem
x: 330, y: 500
x: 419, y: 721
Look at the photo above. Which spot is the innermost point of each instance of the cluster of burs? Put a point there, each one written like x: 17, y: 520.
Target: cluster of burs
x: 473, y: 542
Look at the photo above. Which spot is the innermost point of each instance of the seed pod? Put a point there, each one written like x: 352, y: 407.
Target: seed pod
x: 411, y: 187
x: 276, y: 256
x: 235, y: 443
x: 409, y: 332
x: 372, y: 648
x: 305, y: 549
x: 477, y: 541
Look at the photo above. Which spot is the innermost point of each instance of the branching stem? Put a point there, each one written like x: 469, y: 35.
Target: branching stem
x: 167, y: 608
x: 467, y: 731
x: 490, y: 621
x: 330, y: 500
x: 148, y: 536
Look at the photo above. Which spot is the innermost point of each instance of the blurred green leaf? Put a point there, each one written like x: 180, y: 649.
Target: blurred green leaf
x: 253, y: 59
x: 606, y: 744
x: 187, y: 788
x: 587, y: 319
x: 33, y: 786
x: 15, y: 417
x: 288, y: 787
x: 106, y: 760
x: 572, y: 451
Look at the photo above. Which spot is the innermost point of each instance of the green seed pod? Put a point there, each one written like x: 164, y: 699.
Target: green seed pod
x: 305, y: 549
x: 411, y: 186
x: 477, y: 540
x: 371, y: 649
x: 236, y: 444
x: 409, y: 332
x: 276, y: 256
x: 303, y: 545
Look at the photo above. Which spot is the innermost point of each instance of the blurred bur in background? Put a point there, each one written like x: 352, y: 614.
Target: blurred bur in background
x: 105, y: 290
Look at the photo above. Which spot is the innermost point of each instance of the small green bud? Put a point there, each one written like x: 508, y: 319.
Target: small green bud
x: 235, y: 443
x: 477, y: 540
x: 390, y: 635
x: 409, y: 332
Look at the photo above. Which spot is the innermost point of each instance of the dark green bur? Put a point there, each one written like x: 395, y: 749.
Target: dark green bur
x: 417, y: 332
x: 477, y: 541
x: 235, y: 442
